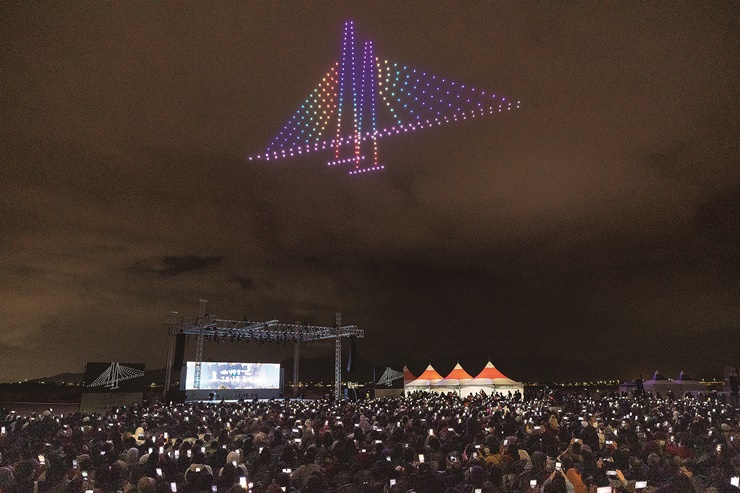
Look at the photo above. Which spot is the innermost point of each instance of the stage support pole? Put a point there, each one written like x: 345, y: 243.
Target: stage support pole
x: 296, y: 358
x: 199, y: 344
x: 170, y: 324
x: 338, y: 360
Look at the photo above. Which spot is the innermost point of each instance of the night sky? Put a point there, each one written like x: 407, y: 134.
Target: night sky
x: 594, y: 232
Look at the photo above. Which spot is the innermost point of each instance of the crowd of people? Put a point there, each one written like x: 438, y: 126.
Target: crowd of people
x: 426, y: 443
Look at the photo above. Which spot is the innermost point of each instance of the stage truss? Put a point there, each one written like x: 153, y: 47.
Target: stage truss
x: 209, y: 328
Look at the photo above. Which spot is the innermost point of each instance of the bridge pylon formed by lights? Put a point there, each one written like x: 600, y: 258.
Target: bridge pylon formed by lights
x: 363, y: 98
x: 210, y: 328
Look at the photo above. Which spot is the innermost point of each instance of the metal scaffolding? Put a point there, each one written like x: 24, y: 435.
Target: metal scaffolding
x: 338, y: 358
x: 210, y: 328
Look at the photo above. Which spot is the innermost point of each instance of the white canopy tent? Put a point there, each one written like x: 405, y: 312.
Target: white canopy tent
x: 628, y: 387
x: 491, y: 380
x: 687, y: 384
x: 453, y: 382
x: 424, y: 381
x: 659, y: 384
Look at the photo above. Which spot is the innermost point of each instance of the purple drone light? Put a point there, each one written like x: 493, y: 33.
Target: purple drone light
x: 365, y: 98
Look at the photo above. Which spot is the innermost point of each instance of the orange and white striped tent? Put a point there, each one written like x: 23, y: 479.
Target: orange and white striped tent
x: 457, y: 377
x: 407, y: 376
x: 426, y: 379
x: 490, y: 378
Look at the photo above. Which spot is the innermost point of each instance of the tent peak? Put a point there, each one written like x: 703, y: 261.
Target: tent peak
x: 658, y: 376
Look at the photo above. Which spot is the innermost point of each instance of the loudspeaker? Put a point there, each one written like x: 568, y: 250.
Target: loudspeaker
x: 176, y: 396
x: 177, y: 361
x: 731, y: 380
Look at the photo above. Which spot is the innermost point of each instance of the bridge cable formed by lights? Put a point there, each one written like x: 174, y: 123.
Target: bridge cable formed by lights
x: 363, y: 98
x: 389, y: 376
x: 114, y: 374
x: 210, y: 328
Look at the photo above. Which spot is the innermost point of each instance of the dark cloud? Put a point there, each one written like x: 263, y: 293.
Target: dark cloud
x: 666, y: 161
x: 719, y: 217
x: 244, y: 282
x: 173, y: 265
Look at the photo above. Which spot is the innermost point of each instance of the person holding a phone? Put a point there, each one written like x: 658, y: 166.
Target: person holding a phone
x: 235, y: 459
x: 199, y: 475
x: 229, y: 475
x: 684, y: 479
x: 588, y: 435
x: 573, y: 475
x: 558, y: 479
x: 476, y: 478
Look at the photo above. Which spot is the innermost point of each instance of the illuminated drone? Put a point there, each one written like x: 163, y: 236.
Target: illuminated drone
x: 363, y: 98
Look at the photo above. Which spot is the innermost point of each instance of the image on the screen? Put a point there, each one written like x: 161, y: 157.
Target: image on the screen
x: 214, y: 376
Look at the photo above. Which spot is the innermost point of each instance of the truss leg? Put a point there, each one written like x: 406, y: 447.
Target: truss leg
x: 168, y: 372
x: 199, y: 345
x: 198, y: 358
x: 296, y: 359
x: 171, y: 322
x: 338, y: 360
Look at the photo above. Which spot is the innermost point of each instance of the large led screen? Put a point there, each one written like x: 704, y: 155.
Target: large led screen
x: 215, y: 376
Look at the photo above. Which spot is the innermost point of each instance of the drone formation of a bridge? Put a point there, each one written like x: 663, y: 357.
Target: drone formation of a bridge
x: 363, y: 98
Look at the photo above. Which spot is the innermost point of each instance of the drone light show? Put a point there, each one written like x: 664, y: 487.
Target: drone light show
x: 364, y: 98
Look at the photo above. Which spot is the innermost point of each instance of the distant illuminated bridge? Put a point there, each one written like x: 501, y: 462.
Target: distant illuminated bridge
x: 363, y: 98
